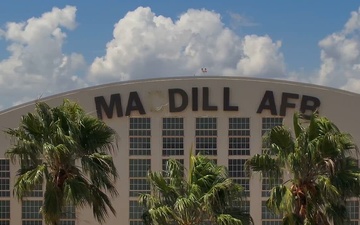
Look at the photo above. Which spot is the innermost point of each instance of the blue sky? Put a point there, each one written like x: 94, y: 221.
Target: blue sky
x: 56, y: 46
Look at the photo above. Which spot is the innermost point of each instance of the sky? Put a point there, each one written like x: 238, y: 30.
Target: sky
x: 56, y: 46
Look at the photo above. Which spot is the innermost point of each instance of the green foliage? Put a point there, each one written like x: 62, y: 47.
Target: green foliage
x: 320, y: 162
x: 67, y: 151
x: 206, y: 194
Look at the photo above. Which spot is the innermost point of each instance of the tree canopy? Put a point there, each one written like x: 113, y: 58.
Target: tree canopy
x: 68, y: 152
x: 320, y: 168
x: 206, y: 193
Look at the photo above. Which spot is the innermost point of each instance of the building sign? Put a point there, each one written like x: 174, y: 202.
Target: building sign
x: 179, y: 101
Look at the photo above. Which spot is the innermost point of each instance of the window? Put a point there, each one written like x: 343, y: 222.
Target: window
x: 245, y: 206
x: 4, y: 211
x: 4, y: 178
x: 31, y: 222
x: 30, y: 212
x: 139, y: 134
x: 138, y: 186
x: 173, y: 136
x: 138, y: 172
x: 139, y: 167
x: 36, y: 192
x: 173, y: 126
x: 267, y: 184
x: 135, y: 210
x: 239, y: 136
x: 32, y: 216
x: 140, y: 145
x: 237, y: 172
x: 164, y: 162
x: 68, y: 215
x: 4, y: 192
x: 206, y: 136
x: 268, y: 217
x: 353, y: 211
x: 139, y: 126
x: 267, y: 124
x: 136, y: 222
x: 173, y: 146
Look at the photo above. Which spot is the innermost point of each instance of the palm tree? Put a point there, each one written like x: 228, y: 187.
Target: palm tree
x: 207, y: 194
x: 68, y: 153
x: 321, y: 170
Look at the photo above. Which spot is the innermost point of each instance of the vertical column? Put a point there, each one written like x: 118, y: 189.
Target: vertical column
x: 172, y: 140
x: 5, y: 191
x: 33, y: 200
x: 206, y: 137
x: 268, y: 218
x: 238, y: 152
x: 139, y: 165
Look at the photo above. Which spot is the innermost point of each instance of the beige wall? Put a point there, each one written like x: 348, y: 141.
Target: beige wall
x: 340, y: 106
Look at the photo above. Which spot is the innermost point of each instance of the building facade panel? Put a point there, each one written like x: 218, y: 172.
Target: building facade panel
x: 222, y: 117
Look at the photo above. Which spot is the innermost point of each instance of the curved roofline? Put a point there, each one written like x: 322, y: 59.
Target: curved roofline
x: 266, y: 80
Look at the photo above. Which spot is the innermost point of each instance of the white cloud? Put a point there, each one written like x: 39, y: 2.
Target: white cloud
x: 238, y: 20
x: 261, y: 58
x: 340, y: 56
x: 145, y: 45
x: 36, y: 64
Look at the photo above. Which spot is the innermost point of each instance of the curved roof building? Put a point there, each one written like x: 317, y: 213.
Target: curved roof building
x: 222, y: 117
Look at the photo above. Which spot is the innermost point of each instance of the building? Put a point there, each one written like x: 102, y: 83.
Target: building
x: 158, y: 119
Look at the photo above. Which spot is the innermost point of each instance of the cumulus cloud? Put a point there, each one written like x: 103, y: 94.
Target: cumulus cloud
x: 238, y: 20
x: 261, y: 57
x: 146, y: 45
x: 36, y: 65
x: 340, y: 56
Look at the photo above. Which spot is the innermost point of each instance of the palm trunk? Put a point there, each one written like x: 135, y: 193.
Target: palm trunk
x: 300, y: 204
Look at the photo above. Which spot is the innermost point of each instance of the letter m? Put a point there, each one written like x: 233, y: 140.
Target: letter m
x: 115, y: 102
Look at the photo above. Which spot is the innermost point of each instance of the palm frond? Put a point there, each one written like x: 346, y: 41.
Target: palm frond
x: 282, y: 142
x: 326, y: 188
x: 28, y: 179
x: 48, y: 143
x: 298, y: 127
x: 337, y: 214
x: 101, y: 170
x: 281, y: 200
x: 53, y: 203
x: 206, y: 194
x: 100, y: 203
x: 292, y: 219
x: 149, y: 200
x: 265, y: 164
x: 318, y: 161
x: 226, y: 219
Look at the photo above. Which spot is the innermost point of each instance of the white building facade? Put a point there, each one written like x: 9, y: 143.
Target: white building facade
x: 221, y: 117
